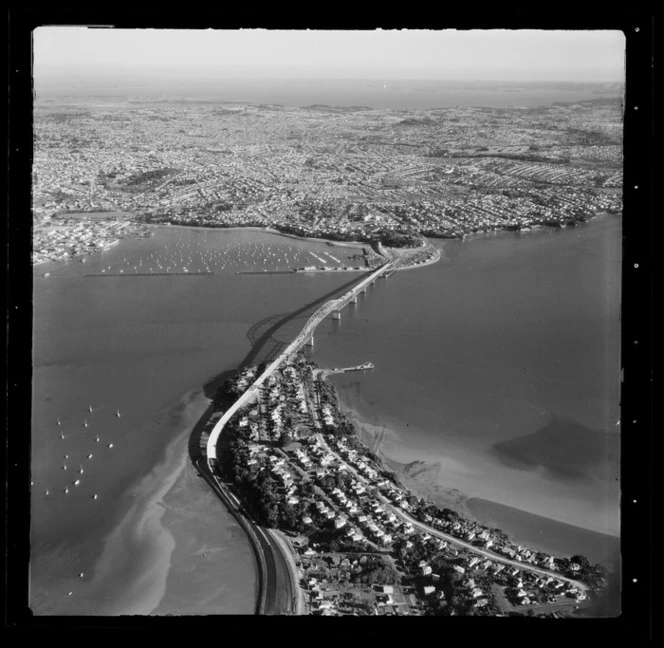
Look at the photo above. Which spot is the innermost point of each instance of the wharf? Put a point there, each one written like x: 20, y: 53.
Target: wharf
x: 149, y: 274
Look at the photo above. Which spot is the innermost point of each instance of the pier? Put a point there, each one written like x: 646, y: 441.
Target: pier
x: 149, y: 274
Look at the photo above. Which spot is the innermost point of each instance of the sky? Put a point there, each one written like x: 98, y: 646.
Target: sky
x: 523, y: 55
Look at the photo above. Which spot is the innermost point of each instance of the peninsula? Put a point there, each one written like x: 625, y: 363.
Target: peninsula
x: 333, y: 529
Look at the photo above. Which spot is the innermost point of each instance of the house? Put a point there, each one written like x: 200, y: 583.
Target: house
x: 429, y: 589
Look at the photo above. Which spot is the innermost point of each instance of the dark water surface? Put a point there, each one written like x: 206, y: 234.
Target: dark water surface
x: 143, y: 346
x: 500, y: 362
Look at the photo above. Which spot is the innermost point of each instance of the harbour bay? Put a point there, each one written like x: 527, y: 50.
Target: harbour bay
x: 501, y: 366
x: 448, y: 391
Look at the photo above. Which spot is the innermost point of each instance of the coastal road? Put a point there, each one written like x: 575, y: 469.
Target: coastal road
x: 278, y: 586
x: 490, y: 555
x: 298, y: 602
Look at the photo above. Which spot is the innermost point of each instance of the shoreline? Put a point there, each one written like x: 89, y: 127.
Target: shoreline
x: 267, y: 230
x: 174, y: 538
x: 421, y: 478
x: 142, y: 525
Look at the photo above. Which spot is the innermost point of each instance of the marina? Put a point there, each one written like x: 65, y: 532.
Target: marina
x: 133, y: 318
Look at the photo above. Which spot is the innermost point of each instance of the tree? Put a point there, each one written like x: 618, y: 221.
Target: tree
x: 285, y: 440
x: 582, y: 561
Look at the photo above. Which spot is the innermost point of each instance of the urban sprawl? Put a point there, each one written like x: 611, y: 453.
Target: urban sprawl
x: 350, y: 174
x: 358, y: 541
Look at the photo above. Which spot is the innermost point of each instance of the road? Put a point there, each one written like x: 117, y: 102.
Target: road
x: 277, y: 585
x: 253, y: 392
x: 490, y: 555
x: 298, y: 603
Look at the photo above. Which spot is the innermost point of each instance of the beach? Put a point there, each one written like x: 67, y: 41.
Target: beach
x: 449, y: 482
x: 448, y: 403
x: 506, y: 384
x: 175, y: 550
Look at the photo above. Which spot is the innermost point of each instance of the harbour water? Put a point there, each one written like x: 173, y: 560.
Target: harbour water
x: 500, y: 363
x: 143, y: 347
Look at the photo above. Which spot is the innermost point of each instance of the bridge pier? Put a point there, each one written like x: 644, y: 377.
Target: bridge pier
x: 353, y: 299
x: 309, y: 342
x: 336, y: 314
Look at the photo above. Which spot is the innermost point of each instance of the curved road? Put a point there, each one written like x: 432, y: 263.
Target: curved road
x: 490, y: 555
x: 277, y: 585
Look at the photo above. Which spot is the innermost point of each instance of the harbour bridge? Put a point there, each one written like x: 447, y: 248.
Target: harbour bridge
x: 305, y: 337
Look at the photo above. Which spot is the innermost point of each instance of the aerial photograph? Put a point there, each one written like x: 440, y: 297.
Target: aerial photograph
x: 326, y: 322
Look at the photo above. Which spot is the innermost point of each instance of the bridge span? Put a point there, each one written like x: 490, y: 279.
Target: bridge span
x: 305, y: 336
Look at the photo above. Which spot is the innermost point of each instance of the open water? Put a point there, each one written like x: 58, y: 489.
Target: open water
x: 501, y: 362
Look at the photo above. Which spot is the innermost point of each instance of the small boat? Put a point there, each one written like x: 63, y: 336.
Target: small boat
x: 90, y: 456
x: 110, y: 445
x: 97, y: 439
x: 77, y: 482
x: 81, y: 470
x: 94, y: 496
x: 85, y: 423
x: 66, y: 490
x: 46, y: 492
x: 46, y: 274
x: 89, y: 408
x: 81, y: 575
x: 117, y: 413
x: 62, y: 436
x: 59, y: 422
x: 64, y: 467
